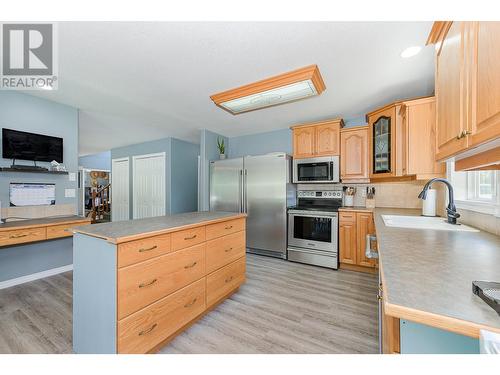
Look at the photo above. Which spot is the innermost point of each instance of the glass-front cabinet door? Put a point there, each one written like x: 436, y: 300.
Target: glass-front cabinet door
x: 382, y: 145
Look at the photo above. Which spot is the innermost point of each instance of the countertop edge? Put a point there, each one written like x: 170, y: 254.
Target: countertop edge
x: 28, y: 226
x: 445, y: 322
x: 140, y: 236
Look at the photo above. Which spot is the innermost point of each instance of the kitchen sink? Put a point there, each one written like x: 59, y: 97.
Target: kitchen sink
x: 423, y: 222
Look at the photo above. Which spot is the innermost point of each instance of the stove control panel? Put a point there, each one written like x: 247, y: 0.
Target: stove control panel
x: 332, y: 194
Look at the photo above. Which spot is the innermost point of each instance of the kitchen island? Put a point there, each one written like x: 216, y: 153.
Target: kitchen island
x: 138, y: 283
x: 426, y: 279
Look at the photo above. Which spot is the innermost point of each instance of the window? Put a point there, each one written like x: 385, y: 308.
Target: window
x: 476, y: 191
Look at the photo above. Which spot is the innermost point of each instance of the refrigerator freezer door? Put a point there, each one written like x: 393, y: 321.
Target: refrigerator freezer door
x: 226, y: 185
x: 266, y: 203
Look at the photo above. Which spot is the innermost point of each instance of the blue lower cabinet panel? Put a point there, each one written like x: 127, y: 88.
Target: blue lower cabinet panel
x: 421, y: 339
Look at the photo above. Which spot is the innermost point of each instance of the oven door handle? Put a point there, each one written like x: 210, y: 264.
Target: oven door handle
x: 333, y: 216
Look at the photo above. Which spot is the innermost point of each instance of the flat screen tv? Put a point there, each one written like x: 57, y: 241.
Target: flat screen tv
x: 30, y: 146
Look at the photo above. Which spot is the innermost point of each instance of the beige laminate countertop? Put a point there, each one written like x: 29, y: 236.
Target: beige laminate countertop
x: 123, y: 231
x: 356, y: 209
x: 427, y: 274
x: 42, y: 222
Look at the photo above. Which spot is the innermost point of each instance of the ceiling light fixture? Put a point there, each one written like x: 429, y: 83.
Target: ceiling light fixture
x: 411, y: 51
x: 284, y: 88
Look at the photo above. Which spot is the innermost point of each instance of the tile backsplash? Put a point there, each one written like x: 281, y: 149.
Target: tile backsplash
x: 388, y: 194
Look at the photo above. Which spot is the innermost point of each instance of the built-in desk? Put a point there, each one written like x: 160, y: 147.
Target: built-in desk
x: 33, y: 230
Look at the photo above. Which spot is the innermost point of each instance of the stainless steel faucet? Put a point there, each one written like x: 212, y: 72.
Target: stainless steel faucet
x: 451, y: 210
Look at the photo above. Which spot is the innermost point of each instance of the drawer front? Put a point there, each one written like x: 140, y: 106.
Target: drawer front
x: 63, y: 230
x: 223, y: 281
x: 146, y: 282
x: 224, y: 250
x: 140, y: 250
x: 347, y: 217
x: 147, y: 328
x: 224, y: 228
x: 188, y: 237
x: 13, y: 237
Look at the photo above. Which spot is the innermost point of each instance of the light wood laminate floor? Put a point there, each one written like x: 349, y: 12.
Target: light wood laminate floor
x: 284, y: 307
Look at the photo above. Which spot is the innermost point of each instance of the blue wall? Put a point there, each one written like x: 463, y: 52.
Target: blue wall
x: 262, y: 143
x: 181, y: 171
x: 101, y: 160
x: 208, y: 152
x: 29, y: 113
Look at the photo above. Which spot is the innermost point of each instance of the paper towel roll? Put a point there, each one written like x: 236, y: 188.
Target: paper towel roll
x: 429, y: 205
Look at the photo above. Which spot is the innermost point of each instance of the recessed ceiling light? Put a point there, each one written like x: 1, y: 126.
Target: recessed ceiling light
x: 288, y: 87
x: 411, y: 51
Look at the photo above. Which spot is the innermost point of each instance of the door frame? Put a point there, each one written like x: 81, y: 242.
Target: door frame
x: 134, y: 187
x: 113, y: 206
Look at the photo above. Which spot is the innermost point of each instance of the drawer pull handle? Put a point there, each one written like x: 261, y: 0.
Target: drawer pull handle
x: 229, y: 227
x: 18, y: 235
x: 229, y: 279
x: 148, y: 284
x: 191, y: 303
x: 191, y: 265
x: 228, y: 250
x: 147, y: 249
x: 145, y: 332
x: 190, y: 238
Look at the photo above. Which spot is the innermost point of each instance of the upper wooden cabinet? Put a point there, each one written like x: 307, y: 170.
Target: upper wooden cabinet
x: 354, y: 155
x: 467, y: 87
x: 317, y: 139
x: 402, y: 141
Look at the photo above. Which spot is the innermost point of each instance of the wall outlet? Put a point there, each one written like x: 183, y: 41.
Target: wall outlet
x: 69, y: 193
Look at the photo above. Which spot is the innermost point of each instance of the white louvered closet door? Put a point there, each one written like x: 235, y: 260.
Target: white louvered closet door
x: 149, y: 185
x: 120, y: 189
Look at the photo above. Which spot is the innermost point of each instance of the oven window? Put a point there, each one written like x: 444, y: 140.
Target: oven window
x: 313, y: 171
x: 312, y: 228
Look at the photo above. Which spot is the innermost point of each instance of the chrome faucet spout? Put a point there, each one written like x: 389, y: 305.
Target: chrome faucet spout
x: 451, y: 210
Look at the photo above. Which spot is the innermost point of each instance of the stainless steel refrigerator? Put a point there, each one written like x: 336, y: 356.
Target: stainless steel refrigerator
x: 261, y: 187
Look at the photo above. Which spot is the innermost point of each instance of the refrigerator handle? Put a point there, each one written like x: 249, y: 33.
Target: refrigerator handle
x: 245, y: 198
x: 240, y: 190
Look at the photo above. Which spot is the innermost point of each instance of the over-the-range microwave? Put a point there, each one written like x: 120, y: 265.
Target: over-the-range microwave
x: 318, y: 170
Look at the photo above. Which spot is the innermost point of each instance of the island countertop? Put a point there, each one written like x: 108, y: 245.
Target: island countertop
x: 123, y: 231
x: 427, y: 274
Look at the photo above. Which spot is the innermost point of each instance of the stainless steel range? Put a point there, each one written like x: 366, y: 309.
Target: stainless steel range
x: 313, y: 228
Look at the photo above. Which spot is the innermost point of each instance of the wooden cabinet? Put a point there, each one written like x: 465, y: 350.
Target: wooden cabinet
x: 317, y: 139
x: 354, y: 155
x: 467, y: 88
x: 353, y: 230
x: 402, y: 141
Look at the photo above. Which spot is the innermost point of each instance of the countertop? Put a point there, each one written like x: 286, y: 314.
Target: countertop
x: 427, y: 274
x: 356, y: 209
x: 42, y: 222
x: 123, y: 231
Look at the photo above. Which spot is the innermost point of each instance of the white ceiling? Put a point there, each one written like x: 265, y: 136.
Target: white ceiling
x: 136, y: 81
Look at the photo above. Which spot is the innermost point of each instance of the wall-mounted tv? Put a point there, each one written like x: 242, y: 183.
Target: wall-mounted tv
x: 29, y: 146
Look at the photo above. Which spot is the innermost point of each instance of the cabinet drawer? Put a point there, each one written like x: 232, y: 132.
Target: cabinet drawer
x: 188, y: 237
x: 224, y: 250
x: 143, y: 283
x: 140, y: 250
x: 147, y: 328
x: 13, y: 237
x: 57, y: 231
x: 347, y: 217
x: 226, y: 227
x: 223, y: 281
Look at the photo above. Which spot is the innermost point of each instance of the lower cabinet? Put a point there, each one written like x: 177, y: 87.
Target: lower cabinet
x: 354, y: 226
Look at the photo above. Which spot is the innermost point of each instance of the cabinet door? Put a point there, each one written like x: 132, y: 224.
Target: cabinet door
x: 327, y: 139
x: 364, y: 226
x: 382, y: 143
x: 450, y: 93
x: 354, y: 154
x: 303, y: 142
x: 485, y: 82
x: 347, y: 239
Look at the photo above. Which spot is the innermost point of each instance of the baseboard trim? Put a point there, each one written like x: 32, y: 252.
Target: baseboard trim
x: 35, y: 276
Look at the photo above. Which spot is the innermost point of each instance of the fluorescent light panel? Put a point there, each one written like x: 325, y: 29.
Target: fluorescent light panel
x: 279, y: 95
